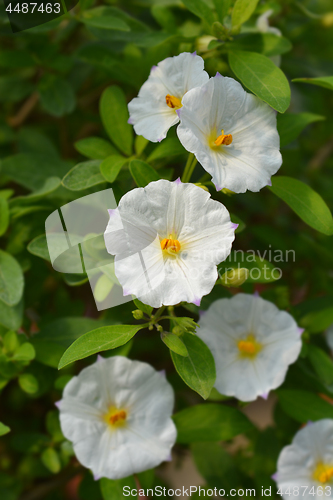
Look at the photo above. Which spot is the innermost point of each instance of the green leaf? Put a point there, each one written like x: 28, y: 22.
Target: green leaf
x: 28, y: 383
x: 318, y: 321
x: 4, y: 215
x: 102, y: 339
x: 174, y: 343
x: 113, y: 489
x: 242, y: 11
x: 322, y: 364
x: 264, y: 43
x: 291, y: 125
x: 304, y: 405
x: 83, y: 176
x: 11, y: 279
x: 323, y: 81
x: 4, y: 429
x: 11, y: 317
x: 95, y: 148
x: 140, y: 144
x: 260, y: 75
x: 210, y: 422
x: 57, y: 95
x: 114, y: 114
x: 171, y: 146
x: 142, y: 173
x: 38, y: 247
x: 261, y: 270
x: 200, y: 9
x: 307, y: 204
x: 103, y: 17
x: 143, y: 307
x: 222, y: 8
x: 51, y: 460
x: 198, y: 369
x: 111, y: 166
x: 25, y: 352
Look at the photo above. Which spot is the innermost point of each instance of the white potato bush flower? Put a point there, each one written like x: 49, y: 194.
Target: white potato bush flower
x: 253, y: 344
x: 305, y: 468
x: 153, y: 112
x: 232, y: 133
x: 168, y: 239
x: 117, y: 414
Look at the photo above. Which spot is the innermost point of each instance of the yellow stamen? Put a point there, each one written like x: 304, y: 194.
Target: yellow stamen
x: 170, y: 244
x: 223, y: 139
x: 249, y: 347
x: 173, y: 101
x: 323, y: 473
x: 115, y: 417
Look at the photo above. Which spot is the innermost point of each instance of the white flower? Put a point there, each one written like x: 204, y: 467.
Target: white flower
x: 168, y: 238
x: 232, y: 134
x: 252, y: 342
x: 117, y: 414
x: 153, y: 112
x: 305, y: 468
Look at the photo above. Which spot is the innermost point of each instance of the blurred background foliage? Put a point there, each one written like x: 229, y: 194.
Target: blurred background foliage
x: 53, y: 119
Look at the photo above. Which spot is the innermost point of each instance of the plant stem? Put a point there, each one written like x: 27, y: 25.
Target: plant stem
x: 189, y: 167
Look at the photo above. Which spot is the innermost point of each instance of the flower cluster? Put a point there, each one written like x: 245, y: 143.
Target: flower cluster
x: 231, y: 132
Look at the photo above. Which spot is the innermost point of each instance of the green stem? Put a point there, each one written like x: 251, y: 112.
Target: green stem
x: 189, y: 167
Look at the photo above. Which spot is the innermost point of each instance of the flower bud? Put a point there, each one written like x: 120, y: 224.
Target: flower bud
x: 235, y: 277
x: 137, y: 314
x: 327, y: 20
x: 203, y: 42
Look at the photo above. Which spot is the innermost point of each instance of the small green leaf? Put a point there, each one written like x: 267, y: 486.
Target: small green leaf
x: 242, y: 11
x: 111, y: 166
x: 51, y: 460
x: 143, y: 307
x: 95, y: 148
x: 11, y: 279
x: 103, y: 17
x: 222, y: 8
x: 114, y: 114
x: 83, y: 176
x: 28, y: 383
x: 174, y: 343
x: 210, y: 422
x: 101, y: 339
x: 198, y: 369
x: 4, y: 429
x: 261, y: 270
x: 113, y: 489
x: 323, y: 81
x: 10, y: 342
x: 25, y: 352
x: 291, y: 125
x: 322, y: 364
x: 140, y: 144
x: 304, y: 405
x: 38, y: 247
x: 171, y: 146
x: 307, y: 204
x: 57, y: 95
x: 11, y: 317
x: 4, y: 215
x: 142, y: 173
x: 260, y: 75
x: 200, y: 9
x: 318, y: 321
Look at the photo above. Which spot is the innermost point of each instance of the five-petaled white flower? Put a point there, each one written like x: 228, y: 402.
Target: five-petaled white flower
x: 305, y: 468
x: 153, y: 112
x: 117, y: 413
x: 232, y: 133
x: 252, y: 342
x: 168, y: 239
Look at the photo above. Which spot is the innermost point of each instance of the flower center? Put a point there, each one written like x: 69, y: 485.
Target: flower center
x: 115, y: 417
x: 223, y: 139
x: 249, y: 347
x: 173, y: 101
x: 170, y: 244
x: 323, y: 473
